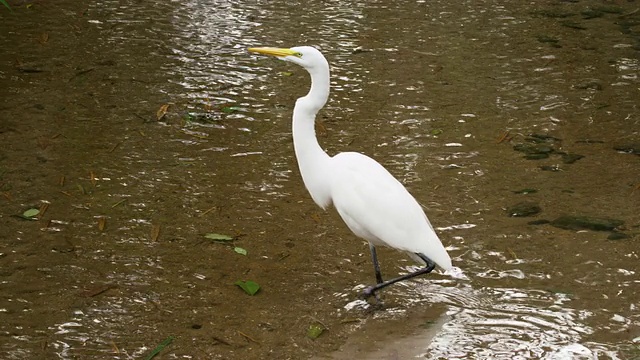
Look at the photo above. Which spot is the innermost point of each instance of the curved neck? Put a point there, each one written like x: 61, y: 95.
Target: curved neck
x: 312, y: 160
x: 319, y: 92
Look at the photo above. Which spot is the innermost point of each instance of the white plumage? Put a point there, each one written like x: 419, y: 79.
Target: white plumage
x: 373, y: 204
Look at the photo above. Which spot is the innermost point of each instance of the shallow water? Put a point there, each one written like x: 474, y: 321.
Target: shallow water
x: 438, y: 92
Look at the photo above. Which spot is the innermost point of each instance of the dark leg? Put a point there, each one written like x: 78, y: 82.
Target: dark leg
x: 371, y: 290
x: 376, y: 265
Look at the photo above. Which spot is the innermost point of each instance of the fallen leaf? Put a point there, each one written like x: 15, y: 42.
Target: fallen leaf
x: 102, y: 222
x: 159, y: 348
x: 240, y: 250
x: 230, y: 109
x: 248, y: 286
x: 320, y: 128
x: 44, y: 143
x: 314, y: 331
x: 218, y: 237
x: 315, y: 217
x: 208, y: 106
x: 31, y: 213
x: 526, y: 191
x: 162, y: 111
x: 155, y: 232
x: 4, y: 2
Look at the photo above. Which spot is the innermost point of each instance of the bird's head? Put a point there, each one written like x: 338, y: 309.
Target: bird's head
x: 306, y: 56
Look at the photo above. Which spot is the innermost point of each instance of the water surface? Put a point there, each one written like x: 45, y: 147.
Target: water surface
x: 438, y: 92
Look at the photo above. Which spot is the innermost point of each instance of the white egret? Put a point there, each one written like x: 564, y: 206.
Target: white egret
x: 373, y: 204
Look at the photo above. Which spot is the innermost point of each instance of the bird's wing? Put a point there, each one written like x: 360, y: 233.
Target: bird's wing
x: 378, y: 208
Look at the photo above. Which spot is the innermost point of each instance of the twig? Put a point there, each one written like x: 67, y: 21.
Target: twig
x: 318, y: 321
x: 505, y: 136
x: 248, y: 337
x: 115, y: 146
x: 142, y: 117
x: 629, y: 13
x: 43, y: 209
x: 208, y: 211
x: 115, y: 348
x: 81, y: 72
x: 222, y: 341
x: 118, y: 203
x: 98, y: 290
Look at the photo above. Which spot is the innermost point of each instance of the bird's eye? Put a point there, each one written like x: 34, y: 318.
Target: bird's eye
x: 297, y: 54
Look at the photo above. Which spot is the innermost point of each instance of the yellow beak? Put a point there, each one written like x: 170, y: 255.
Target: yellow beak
x: 279, y: 52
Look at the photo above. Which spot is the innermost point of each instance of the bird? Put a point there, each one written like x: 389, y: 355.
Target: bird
x: 374, y: 205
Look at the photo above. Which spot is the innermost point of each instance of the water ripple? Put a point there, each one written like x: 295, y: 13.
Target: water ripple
x: 517, y: 324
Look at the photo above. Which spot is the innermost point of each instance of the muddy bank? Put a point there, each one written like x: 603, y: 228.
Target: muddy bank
x: 118, y: 261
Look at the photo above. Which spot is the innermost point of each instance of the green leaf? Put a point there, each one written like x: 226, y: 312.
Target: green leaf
x: 314, y: 331
x: 4, y: 2
x: 526, y: 191
x: 159, y: 348
x: 31, y: 213
x: 230, y: 109
x: 218, y: 237
x: 240, y: 250
x: 286, y: 73
x: 248, y: 286
x: 436, y: 132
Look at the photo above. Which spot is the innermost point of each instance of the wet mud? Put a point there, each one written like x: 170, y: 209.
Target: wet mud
x: 138, y: 128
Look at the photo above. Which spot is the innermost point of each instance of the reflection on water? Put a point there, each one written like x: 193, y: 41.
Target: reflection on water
x: 495, y: 323
x: 423, y: 86
x: 518, y: 324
